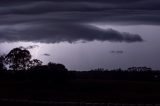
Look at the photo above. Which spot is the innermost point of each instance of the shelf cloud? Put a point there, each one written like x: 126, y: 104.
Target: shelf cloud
x: 52, y: 21
x: 51, y: 33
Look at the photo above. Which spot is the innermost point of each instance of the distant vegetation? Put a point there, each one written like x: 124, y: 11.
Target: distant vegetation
x: 18, y: 64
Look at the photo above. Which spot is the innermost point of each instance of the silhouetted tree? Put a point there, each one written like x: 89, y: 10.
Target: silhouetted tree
x: 18, y: 59
x: 57, y: 67
x: 2, y: 61
x: 34, y: 63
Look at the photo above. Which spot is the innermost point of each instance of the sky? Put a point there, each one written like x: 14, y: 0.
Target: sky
x: 84, y: 34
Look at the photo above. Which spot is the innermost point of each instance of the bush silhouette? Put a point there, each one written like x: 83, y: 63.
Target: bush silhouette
x: 18, y: 59
x: 2, y: 60
x: 52, y: 71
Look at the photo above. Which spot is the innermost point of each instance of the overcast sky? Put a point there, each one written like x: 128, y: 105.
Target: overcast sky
x: 84, y: 34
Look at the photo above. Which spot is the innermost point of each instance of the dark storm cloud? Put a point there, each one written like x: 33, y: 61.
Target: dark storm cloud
x: 41, y: 6
x: 54, y: 33
x: 46, y: 54
x: 69, y: 20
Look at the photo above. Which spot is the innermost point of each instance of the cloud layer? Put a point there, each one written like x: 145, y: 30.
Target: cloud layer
x: 53, y: 21
x: 64, y: 33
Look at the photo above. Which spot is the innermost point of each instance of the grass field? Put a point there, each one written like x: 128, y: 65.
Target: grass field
x: 108, y: 91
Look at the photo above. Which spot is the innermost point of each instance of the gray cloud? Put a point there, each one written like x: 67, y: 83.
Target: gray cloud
x: 41, y: 6
x: 29, y: 47
x: 46, y: 54
x: 32, y: 47
x: 67, y: 20
x: 54, y: 33
x: 117, y: 51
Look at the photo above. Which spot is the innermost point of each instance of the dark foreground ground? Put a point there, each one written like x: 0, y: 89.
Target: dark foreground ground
x: 85, y: 91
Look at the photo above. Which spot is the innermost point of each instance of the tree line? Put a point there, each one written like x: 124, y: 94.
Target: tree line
x: 18, y: 64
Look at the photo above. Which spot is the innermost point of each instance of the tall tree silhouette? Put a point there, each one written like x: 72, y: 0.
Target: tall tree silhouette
x: 18, y: 59
x: 2, y: 61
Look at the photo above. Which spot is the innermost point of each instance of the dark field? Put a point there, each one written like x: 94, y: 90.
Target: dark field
x: 94, y: 91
